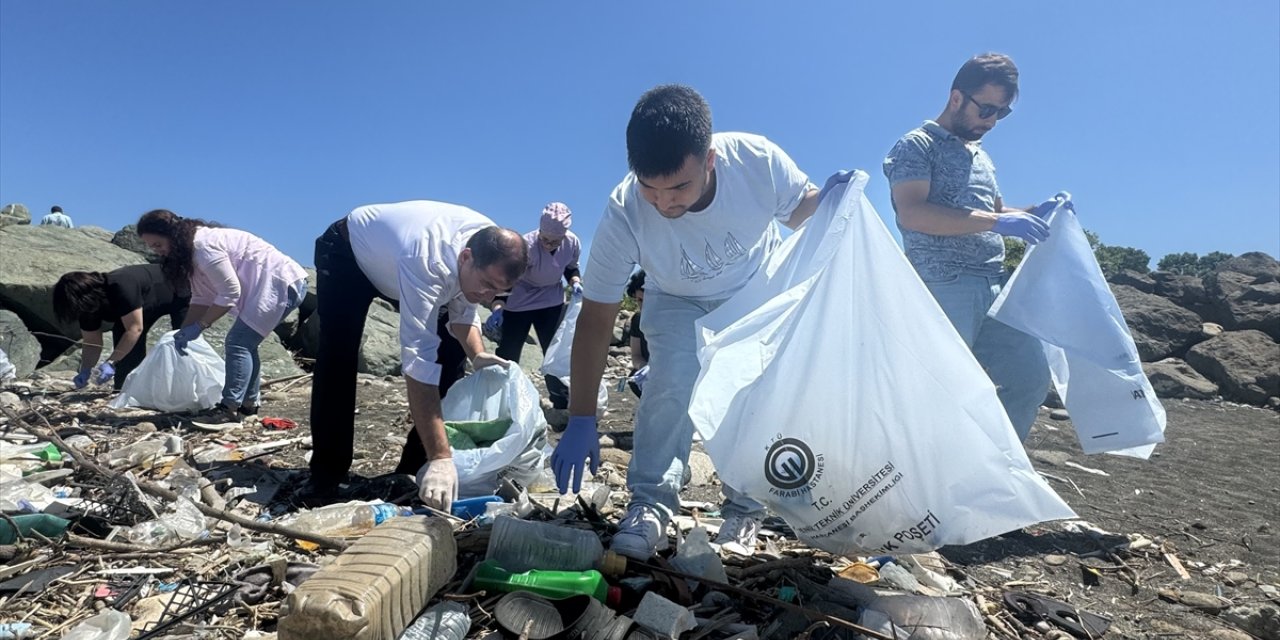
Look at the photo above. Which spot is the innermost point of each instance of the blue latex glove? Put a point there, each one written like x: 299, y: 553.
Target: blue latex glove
x: 185, y: 335
x: 82, y: 379
x: 106, y: 371
x: 492, y: 328
x: 577, y: 290
x: 839, y: 177
x: 579, y: 442
x: 639, y: 377
x: 1023, y: 226
x: 1043, y: 210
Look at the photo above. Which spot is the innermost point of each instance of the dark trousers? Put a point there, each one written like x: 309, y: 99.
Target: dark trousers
x: 344, y: 293
x: 176, y: 311
x: 515, y: 328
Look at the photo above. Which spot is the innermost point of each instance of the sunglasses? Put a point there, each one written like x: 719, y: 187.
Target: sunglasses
x: 987, y: 110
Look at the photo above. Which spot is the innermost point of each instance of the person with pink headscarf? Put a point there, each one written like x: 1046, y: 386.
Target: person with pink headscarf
x: 537, y: 300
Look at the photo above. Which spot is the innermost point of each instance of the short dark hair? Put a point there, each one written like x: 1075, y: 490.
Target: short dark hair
x: 55, y: 209
x: 503, y: 247
x: 985, y: 69
x: 636, y: 285
x: 181, y: 233
x: 669, y: 123
x: 79, y: 294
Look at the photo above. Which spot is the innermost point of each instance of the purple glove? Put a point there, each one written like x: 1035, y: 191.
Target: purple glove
x: 1023, y: 226
x: 82, y: 379
x: 106, y: 371
x: 577, y: 290
x: 185, y: 335
x: 579, y: 442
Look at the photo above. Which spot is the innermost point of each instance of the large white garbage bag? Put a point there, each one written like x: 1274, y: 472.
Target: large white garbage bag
x: 1059, y: 295
x: 556, y: 361
x: 493, y: 393
x: 835, y: 391
x: 168, y: 381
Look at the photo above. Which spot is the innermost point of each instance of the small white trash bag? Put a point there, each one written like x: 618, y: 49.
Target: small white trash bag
x: 834, y: 390
x: 169, y: 381
x: 556, y: 361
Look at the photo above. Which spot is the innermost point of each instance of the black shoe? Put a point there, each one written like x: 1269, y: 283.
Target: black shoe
x: 248, y: 411
x: 312, y: 494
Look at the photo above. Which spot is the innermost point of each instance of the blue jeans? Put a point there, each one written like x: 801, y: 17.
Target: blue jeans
x: 244, y: 368
x: 663, y: 431
x: 1013, y: 360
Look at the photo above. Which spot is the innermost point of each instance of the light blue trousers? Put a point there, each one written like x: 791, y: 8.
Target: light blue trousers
x: 244, y: 368
x: 663, y: 430
x: 1013, y: 360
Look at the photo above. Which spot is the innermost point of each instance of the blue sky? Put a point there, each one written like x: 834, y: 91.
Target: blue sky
x: 280, y: 117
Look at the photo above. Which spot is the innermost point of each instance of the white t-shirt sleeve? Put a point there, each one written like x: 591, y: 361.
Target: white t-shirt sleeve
x: 789, y: 182
x: 614, y: 254
x: 463, y: 312
x: 420, y: 293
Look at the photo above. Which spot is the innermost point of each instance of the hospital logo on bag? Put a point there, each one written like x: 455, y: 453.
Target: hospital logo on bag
x: 791, y: 467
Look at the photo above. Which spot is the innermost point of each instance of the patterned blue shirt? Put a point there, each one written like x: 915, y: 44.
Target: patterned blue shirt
x: 961, y: 176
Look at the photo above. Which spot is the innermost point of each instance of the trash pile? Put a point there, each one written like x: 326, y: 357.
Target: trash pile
x: 134, y: 524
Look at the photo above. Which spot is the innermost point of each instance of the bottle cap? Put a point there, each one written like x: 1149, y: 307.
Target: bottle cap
x: 613, y: 564
x: 613, y: 596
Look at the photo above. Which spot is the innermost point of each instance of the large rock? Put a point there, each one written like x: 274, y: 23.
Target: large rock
x: 94, y: 233
x: 1185, y: 291
x: 1160, y: 328
x: 1244, y: 293
x: 15, y: 213
x: 277, y: 362
x: 1140, y: 281
x: 32, y: 258
x: 1173, y: 378
x: 18, y: 344
x: 379, y: 348
x: 1262, y: 619
x: 1245, y: 364
x: 127, y: 239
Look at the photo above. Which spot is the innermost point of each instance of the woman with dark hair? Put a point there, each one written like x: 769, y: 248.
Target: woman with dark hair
x: 229, y: 271
x: 131, y: 299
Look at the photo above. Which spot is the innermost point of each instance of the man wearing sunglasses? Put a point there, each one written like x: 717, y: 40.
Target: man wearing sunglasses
x: 954, y: 221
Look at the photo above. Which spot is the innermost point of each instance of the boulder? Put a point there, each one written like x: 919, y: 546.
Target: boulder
x: 15, y: 213
x: 1262, y: 619
x: 379, y: 349
x: 1185, y: 291
x: 32, y: 258
x: 1173, y: 378
x: 22, y: 348
x: 127, y: 239
x: 1160, y: 328
x: 1140, y: 281
x: 1245, y: 364
x: 1244, y: 293
x: 94, y: 233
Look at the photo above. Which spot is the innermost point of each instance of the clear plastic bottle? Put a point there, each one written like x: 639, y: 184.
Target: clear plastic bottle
x: 520, y: 545
x: 442, y: 621
x: 132, y: 454
x: 347, y: 519
x: 20, y: 495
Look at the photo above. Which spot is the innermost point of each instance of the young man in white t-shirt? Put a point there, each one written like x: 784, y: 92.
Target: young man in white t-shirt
x: 697, y: 213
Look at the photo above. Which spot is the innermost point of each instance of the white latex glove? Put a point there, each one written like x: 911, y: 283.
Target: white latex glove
x: 439, y: 487
x: 483, y: 360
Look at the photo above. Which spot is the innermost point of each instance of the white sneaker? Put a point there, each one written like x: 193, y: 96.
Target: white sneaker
x: 738, y: 535
x: 641, y: 533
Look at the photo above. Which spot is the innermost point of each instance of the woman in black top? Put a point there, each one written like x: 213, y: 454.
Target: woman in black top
x: 131, y: 299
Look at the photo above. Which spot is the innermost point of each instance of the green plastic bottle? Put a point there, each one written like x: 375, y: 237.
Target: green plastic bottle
x: 550, y: 584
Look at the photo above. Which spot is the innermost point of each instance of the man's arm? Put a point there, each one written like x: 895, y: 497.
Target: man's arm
x: 469, y: 336
x: 424, y: 409
x: 804, y: 210
x: 915, y: 212
x: 590, y: 349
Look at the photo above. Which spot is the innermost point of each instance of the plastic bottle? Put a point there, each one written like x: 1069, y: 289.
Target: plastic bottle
x: 550, y: 584
x: 347, y: 519
x: 108, y: 625
x: 520, y: 545
x: 20, y: 495
x: 16, y: 631
x: 185, y: 522
x: 442, y: 621
x: 132, y: 454
x: 377, y: 586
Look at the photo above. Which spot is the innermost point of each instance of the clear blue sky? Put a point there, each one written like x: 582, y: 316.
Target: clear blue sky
x: 279, y: 117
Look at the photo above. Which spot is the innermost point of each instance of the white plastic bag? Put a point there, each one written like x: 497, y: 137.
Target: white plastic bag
x: 169, y: 381
x: 1059, y: 295
x: 556, y: 361
x: 7, y: 369
x: 834, y: 390
x: 493, y: 393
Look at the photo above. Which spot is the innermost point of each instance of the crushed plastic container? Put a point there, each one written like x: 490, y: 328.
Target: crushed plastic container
x: 108, y: 625
x: 376, y: 587
x: 442, y: 621
x: 696, y: 557
x: 185, y: 522
x: 20, y: 495
x: 349, y: 519
x: 520, y: 545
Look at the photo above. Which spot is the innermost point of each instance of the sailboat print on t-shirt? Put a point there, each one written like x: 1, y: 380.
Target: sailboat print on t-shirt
x: 734, y: 252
